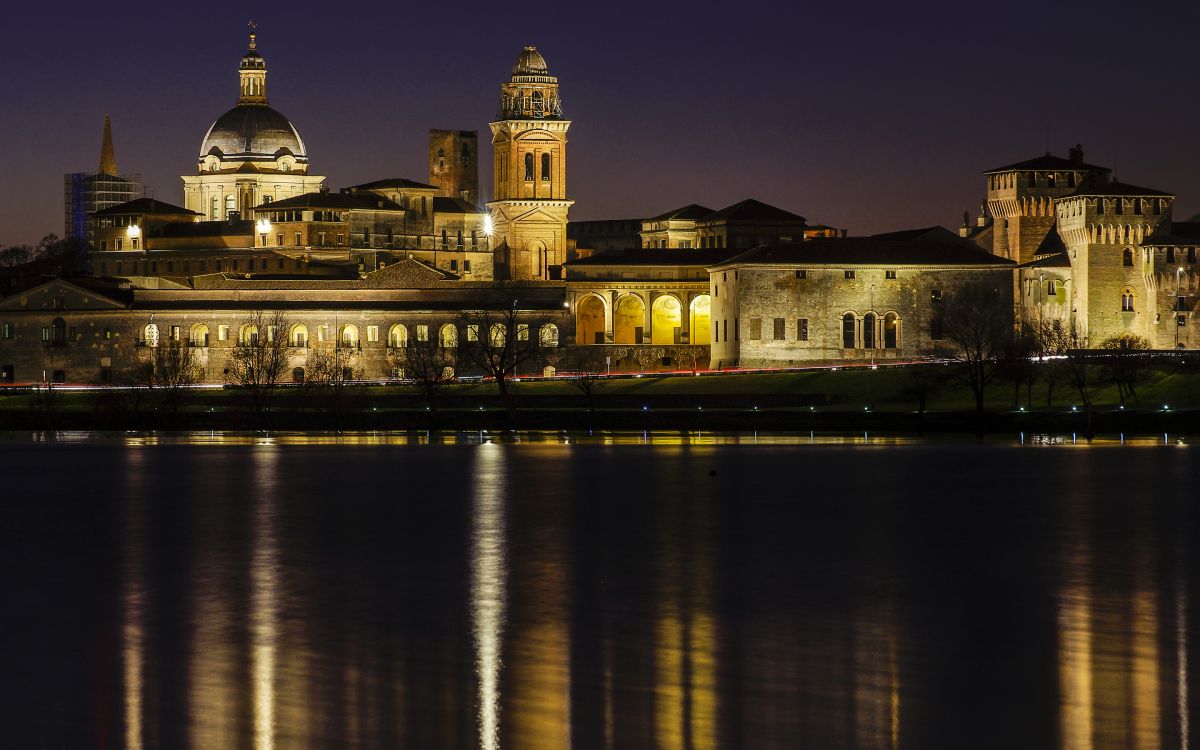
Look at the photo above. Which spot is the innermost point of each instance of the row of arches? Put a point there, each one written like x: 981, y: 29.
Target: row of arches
x: 871, y: 331
x: 349, y: 335
x: 629, y: 320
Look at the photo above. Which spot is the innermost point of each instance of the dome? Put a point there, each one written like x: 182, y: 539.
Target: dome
x: 253, y: 132
x: 530, y: 63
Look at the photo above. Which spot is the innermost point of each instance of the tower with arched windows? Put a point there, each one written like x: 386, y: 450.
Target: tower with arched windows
x: 529, y: 145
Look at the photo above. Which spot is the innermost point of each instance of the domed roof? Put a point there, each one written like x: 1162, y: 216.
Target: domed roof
x: 530, y: 63
x: 252, y: 131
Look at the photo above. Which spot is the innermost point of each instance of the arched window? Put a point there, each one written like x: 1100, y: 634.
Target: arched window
x: 1052, y: 288
x: 199, y: 335
x: 216, y: 207
x: 891, y: 331
x: 298, y: 336
x: 230, y: 206
x: 548, y: 336
x: 869, y: 331
x: 58, y: 332
x: 349, y: 336
x: 398, y: 336
x: 150, y: 335
x: 497, y: 336
x: 248, y: 335
x: 1127, y: 258
x: 1127, y: 301
x: 528, y: 167
x: 545, y: 167
x: 448, y: 336
x: 848, y: 330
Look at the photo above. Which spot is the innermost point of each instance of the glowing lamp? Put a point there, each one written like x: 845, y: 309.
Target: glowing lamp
x: 263, y: 226
x: 489, y: 228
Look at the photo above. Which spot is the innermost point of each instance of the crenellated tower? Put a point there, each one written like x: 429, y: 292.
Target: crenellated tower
x: 529, y: 145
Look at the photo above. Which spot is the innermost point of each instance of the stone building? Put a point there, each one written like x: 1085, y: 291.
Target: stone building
x: 529, y: 144
x: 837, y: 300
x: 454, y: 164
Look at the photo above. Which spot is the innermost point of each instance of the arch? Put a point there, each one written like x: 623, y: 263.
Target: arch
x: 537, y: 257
x: 545, y: 167
x: 891, y: 331
x: 589, y: 320
x: 629, y: 320
x: 448, y: 336
x: 868, y: 330
x: 700, y: 323
x: 248, y: 334
x: 298, y: 335
x: 348, y: 336
x: 1127, y: 300
x: 666, y: 320
x: 397, y: 336
x: 150, y: 335
x: 199, y: 335
x: 230, y: 206
x: 528, y: 167
x: 497, y: 336
x: 849, y: 331
x: 548, y: 336
x: 58, y: 332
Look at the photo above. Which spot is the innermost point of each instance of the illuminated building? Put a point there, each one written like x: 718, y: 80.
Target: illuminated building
x: 84, y: 193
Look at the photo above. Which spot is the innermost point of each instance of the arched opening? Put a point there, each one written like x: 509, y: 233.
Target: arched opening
x: 349, y: 336
x: 869, y: 331
x: 537, y: 258
x: 629, y: 320
x: 1127, y: 301
x: 297, y: 374
x: 497, y: 336
x: 398, y: 336
x: 891, y: 331
x: 1127, y: 258
x: 589, y: 320
x: 701, y: 320
x: 528, y: 167
x: 248, y: 335
x: 230, y: 206
x: 849, y: 324
x: 298, y: 336
x: 448, y: 336
x: 666, y: 320
x: 548, y: 336
x: 150, y: 335
x: 545, y: 167
x: 58, y: 332
x: 199, y: 335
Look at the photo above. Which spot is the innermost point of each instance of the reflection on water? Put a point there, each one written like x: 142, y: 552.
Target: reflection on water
x: 548, y: 592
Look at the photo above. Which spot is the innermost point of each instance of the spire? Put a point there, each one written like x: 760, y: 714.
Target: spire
x: 108, y: 157
x: 253, y: 35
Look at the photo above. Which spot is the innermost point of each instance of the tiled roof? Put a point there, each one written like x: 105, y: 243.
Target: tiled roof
x: 691, y: 211
x: 444, y: 205
x: 926, y: 247
x: 1047, y: 162
x: 752, y: 210
x: 1119, y: 188
x: 144, y: 206
x: 393, y: 182
x: 334, y: 201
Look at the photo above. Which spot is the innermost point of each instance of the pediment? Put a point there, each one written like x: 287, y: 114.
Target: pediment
x: 539, y: 216
x: 58, y: 294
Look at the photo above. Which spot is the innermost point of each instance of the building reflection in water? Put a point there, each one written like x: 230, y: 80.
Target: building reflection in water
x: 133, y: 599
x: 264, y: 597
x: 488, y: 571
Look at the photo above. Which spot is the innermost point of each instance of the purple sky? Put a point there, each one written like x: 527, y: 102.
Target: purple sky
x: 870, y: 118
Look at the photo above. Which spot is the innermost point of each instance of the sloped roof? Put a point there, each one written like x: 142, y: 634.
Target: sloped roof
x: 444, y: 205
x: 145, y: 206
x: 1119, y: 188
x: 753, y: 210
x: 1056, y: 260
x: 1047, y: 162
x: 1052, y: 244
x: 209, y: 228
x: 1180, y: 233
x: 933, y: 246
x: 658, y: 257
x: 334, y: 201
x: 691, y: 211
x: 393, y: 182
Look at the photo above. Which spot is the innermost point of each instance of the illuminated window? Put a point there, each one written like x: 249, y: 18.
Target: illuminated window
x: 891, y: 331
x: 548, y: 336
x: 448, y: 336
x: 222, y: 333
x: 422, y: 333
x: 473, y: 332
x: 398, y: 336
x: 372, y: 334
x: 849, y: 274
x: 802, y: 329
x: 150, y: 335
x: 7, y: 330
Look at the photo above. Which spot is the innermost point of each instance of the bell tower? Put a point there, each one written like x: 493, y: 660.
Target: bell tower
x: 529, y: 146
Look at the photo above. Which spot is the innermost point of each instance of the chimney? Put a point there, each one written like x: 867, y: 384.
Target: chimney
x: 1076, y: 155
x: 108, y: 157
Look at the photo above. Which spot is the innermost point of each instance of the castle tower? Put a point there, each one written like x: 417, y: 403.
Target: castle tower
x: 454, y: 164
x: 108, y: 156
x: 1021, y: 199
x: 529, y: 144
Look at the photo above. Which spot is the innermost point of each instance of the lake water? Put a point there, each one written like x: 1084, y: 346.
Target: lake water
x: 633, y: 592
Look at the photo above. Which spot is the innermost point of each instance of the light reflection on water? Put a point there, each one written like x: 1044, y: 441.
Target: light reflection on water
x: 547, y: 592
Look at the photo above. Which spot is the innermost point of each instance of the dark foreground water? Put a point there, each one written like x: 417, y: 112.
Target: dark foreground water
x: 366, y: 595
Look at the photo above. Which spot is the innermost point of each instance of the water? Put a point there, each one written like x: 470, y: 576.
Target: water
x: 656, y: 592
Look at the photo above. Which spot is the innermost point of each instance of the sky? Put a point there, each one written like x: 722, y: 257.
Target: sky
x: 867, y: 116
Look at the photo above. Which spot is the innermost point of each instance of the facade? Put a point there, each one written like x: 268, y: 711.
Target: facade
x: 837, y: 300
x: 454, y: 164
x: 529, y: 146
x: 84, y: 194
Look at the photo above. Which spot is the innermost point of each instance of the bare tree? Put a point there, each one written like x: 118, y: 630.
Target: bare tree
x: 587, y: 364
x: 1126, y: 363
x: 174, y: 371
x: 923, y: 381
x: 976, y: 321
x: 260, y: 357
x: 431, y: 366
x: 504, y: 340
x: 1019, y: 365
x: 1053, y: 342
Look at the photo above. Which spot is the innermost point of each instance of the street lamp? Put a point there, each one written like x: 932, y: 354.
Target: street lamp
x: 133, y: 232
x: 264, y: 228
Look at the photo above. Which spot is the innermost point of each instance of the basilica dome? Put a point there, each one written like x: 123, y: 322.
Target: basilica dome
x: 253, y: 133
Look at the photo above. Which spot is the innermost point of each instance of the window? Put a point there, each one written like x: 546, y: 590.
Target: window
x: 107, y: 334
x: 849, y: 274
x: 398, y: 336
x: 889, y: 274
x: 802, y: 329
x: 473, y: 332
x: 453, y: 265
x: 737, y: 329
x: 780, y: 330
x: 1181, y: 303
x: 474, y: 238
x: 891, y: 331
x: 466, y: 266
x: 1170, y: 255
x: 445, y: 240
x: 297, y: 242
x: 548, y: 336
x: 1052, y: 288
x: 322, y: 334
x: 1118, y: 206
x: 522, y: 331
x: 528, y: 167
x: 801, y: 274
x: 58, y: 332
x: 545, y: 167
x: 341, y: 238
x: 348, y: 337
x: 755, y: 333
x: 173, y: 335
x: 7, y: 330
x: 458, y: 240
x: 849, y: 326
x: 150, y: 335
x: 422, y: 333
x: 271, y: 334
x: 869, y: 331
x: 372, y: 334
x: 1127, y: 258
x: 1126, y: 301
x: 1099, y: 205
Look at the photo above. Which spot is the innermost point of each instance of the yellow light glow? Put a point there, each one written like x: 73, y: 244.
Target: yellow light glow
x: 488, y: 595
x: 489, y: 228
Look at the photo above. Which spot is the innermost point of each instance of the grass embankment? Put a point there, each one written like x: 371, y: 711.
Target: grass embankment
x: 842, y: 400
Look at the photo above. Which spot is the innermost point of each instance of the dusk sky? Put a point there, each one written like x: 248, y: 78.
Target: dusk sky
x: 864, y: 116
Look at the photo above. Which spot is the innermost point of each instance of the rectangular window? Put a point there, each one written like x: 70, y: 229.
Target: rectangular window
x: 466, y: 266
x: 1191, y: 255
x: 1170, y: 255
x: 801, y: 274
x: 1181, y: 303
x: 340, y: 239
x: 297, y: 242
x: 174, y: 334
x: 453, y: 265
x: 849, y: 274
x: 472, y: 332
x: 154, y: 266
x: 522, y: 331
x: 118, y: 243
x: 8, y: 330
x: 322, y: 334
x: 280, y: 264
x: 45, y: 333
x: 170, y: 266
x: 271, y: 334
x: 802, y: 329
x: 279, y: 239
x: 372, y: 333
x: 107, y: 334
x: 222, y: 333
x: 889, y: 274
x: 779, y: 328
x: 422, y: 333
x: 725, y: 330
x: 737, y: 329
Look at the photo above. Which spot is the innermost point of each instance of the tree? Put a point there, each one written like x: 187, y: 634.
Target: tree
x: 587, y: 364
x: 431, y: 366
x: 1052, y: 341
x: 1019, y: 365
x: 503, y: 339
x: 922, y: 382
x: 976, y: 322
x: 1126, y: 362
x: 173, y: 370
x: 260, y: 357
